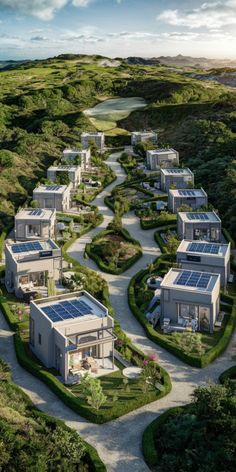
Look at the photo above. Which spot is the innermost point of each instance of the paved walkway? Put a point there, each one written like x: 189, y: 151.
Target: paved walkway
x: 119, y: 442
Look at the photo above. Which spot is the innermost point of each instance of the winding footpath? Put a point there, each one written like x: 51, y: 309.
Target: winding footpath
x: 118, y: 442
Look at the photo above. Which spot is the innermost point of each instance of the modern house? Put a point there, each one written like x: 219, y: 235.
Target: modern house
x: 206, y: 257
x: 70, y: 331
x: 30, y: 265
x: 143, y: 136
x: 94, y: 136
x: 31, y: 223
x: 190, y: 300
x: 162, y: 158
x: 57, y: 172
x: 200, y: 225
x: 53, y: 196
x: 78, y: 157
x: 193, y: 198
x: 176, y: 178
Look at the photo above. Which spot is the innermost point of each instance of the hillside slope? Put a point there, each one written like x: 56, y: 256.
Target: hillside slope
x: 41, y: 112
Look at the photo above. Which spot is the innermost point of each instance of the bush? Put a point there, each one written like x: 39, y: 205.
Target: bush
x: 228, y: 374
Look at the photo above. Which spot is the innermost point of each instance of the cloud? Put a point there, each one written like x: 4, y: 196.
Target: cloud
x: 39, y: 38
x: 210, y: 15
x: 42, y: 9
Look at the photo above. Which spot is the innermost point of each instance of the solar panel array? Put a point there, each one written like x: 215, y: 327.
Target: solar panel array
x: 37, y: 212
x: 26, y: 247
x: 189, y: 278
x: 204, y: 248
x: 187, y: 193
x: 67, y: 310
x: 176, y: 171
x: 198, y: 216
x: 53, y: 188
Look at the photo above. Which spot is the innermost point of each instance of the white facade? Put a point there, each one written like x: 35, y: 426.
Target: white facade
x: 81, y: 157
x: 30, y: 264
x: 205, y: 256
x: 34, y: 223
x: 162, y: 158
x: 74, y: 173
x: 143, y: 136
x: 194, y: 198
x: 190, y: 298
x: 199, y: 226
x: 96, y: 136
x: 53, y: 196
x: 179, y: 178
x: 62, y: 336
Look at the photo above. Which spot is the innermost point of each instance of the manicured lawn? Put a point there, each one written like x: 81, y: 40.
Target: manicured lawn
x: 120, y: 399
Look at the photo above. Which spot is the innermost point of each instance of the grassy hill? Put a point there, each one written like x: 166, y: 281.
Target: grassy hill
x: 41, y: 112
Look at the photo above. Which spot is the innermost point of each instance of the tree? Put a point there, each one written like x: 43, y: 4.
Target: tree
x: 172, y: 243
x: 92, y: 390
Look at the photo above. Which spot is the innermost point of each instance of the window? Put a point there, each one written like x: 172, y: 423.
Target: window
x: 31, y: 332
x: 40, y: 338
x: 187, y: 313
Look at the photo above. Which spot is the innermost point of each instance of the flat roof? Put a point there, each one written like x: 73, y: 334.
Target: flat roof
x: 199, y: 217
x: 31, y: 247
x: 143, y: 132
x: 35, y: 214
x: 75, y: 306
x: 62, y: 168
x: 51, y: 188
x: 188, y: 193
x: 203, y: 247
x: 162, y: 151
x: 92, y: 133
x: 76, y: 151
x: 190, y: 280
x: 176, y: 171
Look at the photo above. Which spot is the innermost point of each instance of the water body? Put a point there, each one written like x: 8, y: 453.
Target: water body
x: 105, y: 115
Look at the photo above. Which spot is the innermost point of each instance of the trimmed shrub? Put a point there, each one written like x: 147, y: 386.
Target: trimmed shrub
x: 229, y: 374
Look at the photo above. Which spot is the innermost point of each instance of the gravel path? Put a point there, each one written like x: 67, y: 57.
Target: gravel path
x: 118, y: 442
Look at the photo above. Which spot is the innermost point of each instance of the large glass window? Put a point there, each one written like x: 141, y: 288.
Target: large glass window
x: 33, y: 230
x: 187, y: 313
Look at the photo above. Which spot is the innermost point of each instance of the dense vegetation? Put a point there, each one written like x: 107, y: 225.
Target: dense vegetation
x: 42, y: 105
x: 201, y: 438
x: 31, y: 440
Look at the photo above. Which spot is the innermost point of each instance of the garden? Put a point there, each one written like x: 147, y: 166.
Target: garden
x: 114, y: 250
x: 114, y: 395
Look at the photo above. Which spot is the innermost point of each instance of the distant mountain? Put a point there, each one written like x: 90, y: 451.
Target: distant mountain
x: 182, y: 61
x: 200, y: 62
x: 7, y: 65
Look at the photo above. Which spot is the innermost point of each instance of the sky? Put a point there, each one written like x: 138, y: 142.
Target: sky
x: 117, y: 28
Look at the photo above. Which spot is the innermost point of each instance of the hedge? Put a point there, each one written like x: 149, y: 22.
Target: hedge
x: 109, y: 203
x: 150, y: 452
x: 106, y: 268
x: 158, y: 223
x: 228, y: 374
x: 163, y: 341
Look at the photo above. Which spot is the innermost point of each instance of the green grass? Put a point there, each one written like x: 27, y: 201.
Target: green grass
x: 126, y: 400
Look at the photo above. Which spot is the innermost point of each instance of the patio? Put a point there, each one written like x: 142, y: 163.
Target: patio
x: 93, y: 366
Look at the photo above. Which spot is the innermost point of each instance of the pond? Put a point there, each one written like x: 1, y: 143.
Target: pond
x: 105, y: 115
